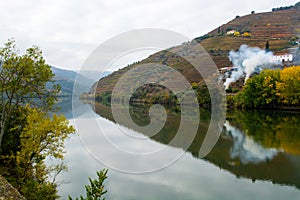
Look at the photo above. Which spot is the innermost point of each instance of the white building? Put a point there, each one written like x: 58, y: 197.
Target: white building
x: 228, y: 69
x: 284, y: 58
x: 231, y: 32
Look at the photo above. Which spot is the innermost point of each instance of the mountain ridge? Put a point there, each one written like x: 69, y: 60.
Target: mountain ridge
x: 66, y: 79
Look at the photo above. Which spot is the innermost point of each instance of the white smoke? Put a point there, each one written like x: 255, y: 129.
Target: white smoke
x: 296, y: 54
x: 248, y: 60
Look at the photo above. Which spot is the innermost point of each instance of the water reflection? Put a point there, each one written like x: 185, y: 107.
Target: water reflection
x: 255, y: 145
x: 246, y: 149
x: 217, y: 176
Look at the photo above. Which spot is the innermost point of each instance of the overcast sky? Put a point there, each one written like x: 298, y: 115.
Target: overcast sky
x: 69, y: 30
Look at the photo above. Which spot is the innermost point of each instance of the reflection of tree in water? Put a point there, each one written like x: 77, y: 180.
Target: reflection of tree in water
x: 271, y: 129
x: 140, y: 115
x: 246, y: 149
x: 263, y: 145
x: 269, y: 147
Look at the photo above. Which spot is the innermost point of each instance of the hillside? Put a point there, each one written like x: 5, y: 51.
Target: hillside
x: 66, y: 79
x: 279, y: 27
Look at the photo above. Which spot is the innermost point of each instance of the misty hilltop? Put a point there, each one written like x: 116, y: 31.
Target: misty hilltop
x: 278, y: 29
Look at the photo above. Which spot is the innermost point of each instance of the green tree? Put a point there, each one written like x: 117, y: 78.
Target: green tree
x: 260, y: 91
x: 203, y: 96
x: 29, y: 134
x: 271, y: 89
x: 41, y: 137
x: 95, y: 190
x: 23, y: 80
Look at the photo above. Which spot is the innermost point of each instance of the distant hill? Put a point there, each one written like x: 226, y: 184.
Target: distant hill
x: 66, y: 79
x: 281, y: 28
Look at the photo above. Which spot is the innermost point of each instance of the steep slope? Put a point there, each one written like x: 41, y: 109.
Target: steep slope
x: 277, y: 27
x: 280, y: 28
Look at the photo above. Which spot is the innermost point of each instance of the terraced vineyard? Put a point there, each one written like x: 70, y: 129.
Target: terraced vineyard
x: 279, y: 28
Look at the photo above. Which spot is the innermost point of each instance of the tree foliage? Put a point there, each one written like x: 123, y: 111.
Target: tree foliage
x: 271, y: 129
x: 236, y: 33
x: 23, y: 80
x: 271, y: 89
x: 29, y: 134
x: 289, y: 86
x: 95, y: 190
x: 247, y: 34
x: 282, y: 8
x: 41, y: 136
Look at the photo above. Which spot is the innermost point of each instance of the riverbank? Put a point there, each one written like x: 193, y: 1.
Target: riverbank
x: 230, y: 104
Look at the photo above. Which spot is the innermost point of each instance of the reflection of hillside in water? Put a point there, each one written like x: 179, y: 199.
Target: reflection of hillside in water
x: 254, y: 145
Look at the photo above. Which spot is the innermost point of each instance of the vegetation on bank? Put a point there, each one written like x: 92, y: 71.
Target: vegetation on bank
x: 29, y: 134
x: 95, y: 190
x: 157, y: 94
x: 270, y: 89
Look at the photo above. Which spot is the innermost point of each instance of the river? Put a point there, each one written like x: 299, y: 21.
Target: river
x: 256, y: 157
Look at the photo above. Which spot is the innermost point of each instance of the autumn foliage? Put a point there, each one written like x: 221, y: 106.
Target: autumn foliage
x: 271, y: 89
x: 29, y: 133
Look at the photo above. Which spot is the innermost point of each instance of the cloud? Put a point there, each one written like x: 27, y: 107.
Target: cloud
x: 73, y: 28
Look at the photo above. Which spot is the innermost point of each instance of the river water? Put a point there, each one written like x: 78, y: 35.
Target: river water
x: 256, y: 157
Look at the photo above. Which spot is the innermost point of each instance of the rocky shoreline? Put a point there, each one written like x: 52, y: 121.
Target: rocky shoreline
x: 7, y: 191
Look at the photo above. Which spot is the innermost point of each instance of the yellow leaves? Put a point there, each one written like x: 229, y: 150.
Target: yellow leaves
x: 236, y: 34
x: 289, y: 73
x: 272, y: 88
x: 289, y: 86
x: 267, y: 82
x: 246, y: 34
x: 43, y: 136
x: 195, y: 85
